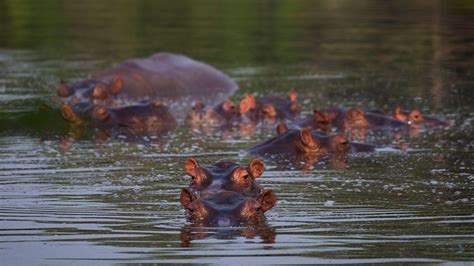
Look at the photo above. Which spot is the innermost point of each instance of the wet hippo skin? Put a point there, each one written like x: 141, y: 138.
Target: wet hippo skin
x: 162, y: 75
x: 225, y: 193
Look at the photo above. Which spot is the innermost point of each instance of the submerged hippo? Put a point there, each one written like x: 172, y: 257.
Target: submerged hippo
x: 301, y: 141
x: 304, y: 148
x: 356, y: 122
x: 221, y: 115
x: 270, y: 108
x: 224, y: 175
x: 417, y: 120
x: 138, y: 118
x: 225, y: 193
x: 163, y: 76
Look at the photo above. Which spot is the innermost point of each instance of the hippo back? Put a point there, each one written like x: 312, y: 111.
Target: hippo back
x: 170, y: 76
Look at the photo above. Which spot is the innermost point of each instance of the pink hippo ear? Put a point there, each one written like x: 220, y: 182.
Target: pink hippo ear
x: 247, y: 103
x: 256, y: 168
x: 191, y: 166
x: 64, y: 90
x: 241, y: 178
x: 398, y: 115
x: 116, y: 86
x: 281, y: 128
x: 267, y: 199
x: 100, y: 92
x: 69, y: 115
x: 186, y: 197
x: 307, y: 138
x: 292, y: 95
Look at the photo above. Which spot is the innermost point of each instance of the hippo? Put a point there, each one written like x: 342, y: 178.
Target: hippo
x: 161, y: 76
x: 417, y: 120
x: 356, y: 118
x: 317, y: 120
x: 225, y: 193
x: 301, y: 141
x: 270, y: 108
x: 356, y: 122
x: 224, y: 175
x: 143, y: 117
x: 222, y: 115
x: 303, y: 148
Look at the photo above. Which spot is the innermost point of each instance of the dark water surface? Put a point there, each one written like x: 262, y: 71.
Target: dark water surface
x: 82, y: 200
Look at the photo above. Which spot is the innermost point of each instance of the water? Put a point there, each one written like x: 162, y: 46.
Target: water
x: 81, y: 199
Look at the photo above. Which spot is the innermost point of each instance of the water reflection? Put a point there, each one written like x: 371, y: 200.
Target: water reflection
x: 194, y: 231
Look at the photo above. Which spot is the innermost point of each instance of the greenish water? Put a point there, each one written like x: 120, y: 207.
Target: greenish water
x: 83, y: 200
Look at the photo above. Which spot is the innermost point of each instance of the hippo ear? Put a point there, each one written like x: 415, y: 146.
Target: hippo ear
x: 247, y: 103
x: 292, y: 95
x: 116, y: 86
x: 99, y: 92
x: 240, y: 177
x: 256, y: 168
x: 267, y: 199
x: 69, y: 115
x: 186, y: 197
x: 191, y: 166
x: 307, y: 138
x: 281, y: 128
x: 64, y: 90
x: 397, y: 114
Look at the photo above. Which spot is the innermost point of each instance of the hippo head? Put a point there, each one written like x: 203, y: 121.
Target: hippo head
x: 312, y: 141
x: 102, y: 91
x: 224, y: 175
x: 301, y: 144
x: 270, y: 109
x: 413, y: 118
x: 140, y: 118
x: 90, y: 90
x: 354, y: 118
x: 416, y: 120
x: 320, y: 121
x: 225, y: 112
x: 226, y: 208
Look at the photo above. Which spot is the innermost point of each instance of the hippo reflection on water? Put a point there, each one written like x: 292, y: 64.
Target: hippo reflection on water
x: 225, y: 194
